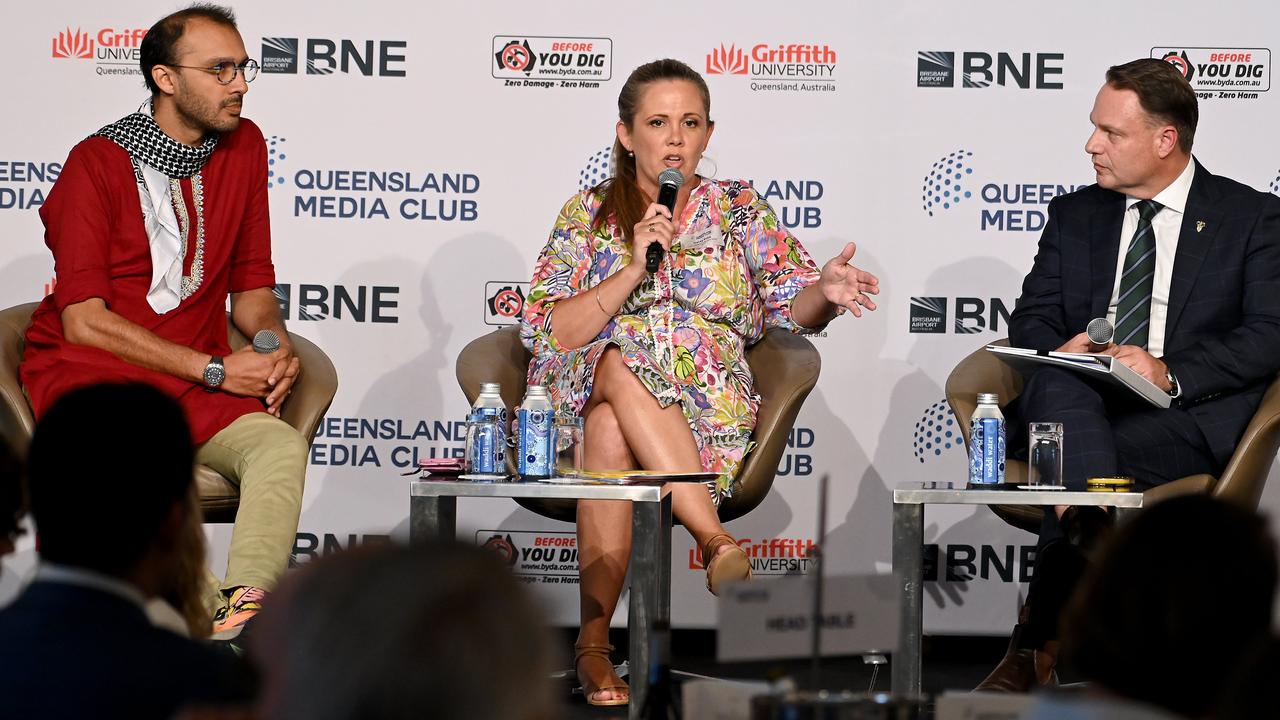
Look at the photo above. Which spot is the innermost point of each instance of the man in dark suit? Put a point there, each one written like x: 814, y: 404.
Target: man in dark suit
x: 109, y: 470
x: 1186, y: 266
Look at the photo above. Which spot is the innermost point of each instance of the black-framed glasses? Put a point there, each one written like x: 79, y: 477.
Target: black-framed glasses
x: 226, y: 70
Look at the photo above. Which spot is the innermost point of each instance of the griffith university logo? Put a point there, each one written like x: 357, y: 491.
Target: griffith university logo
x: 946, y: 184
x: 727, y: 61
x: 73, y: 44
x: 935, y: 432
x: 115, y: 51
x: 781, y: 67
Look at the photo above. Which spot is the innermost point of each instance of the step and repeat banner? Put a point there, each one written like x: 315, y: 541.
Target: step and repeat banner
x: 419, y: 154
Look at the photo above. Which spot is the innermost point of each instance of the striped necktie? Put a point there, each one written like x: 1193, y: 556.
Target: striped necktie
x: 1133, y: 308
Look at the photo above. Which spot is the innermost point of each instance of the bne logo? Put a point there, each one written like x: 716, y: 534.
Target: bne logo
x: 727, y: 61
x: 973, y: 315
x: 358, y: 303
x: 1027, y: 71
x: 382, y: 58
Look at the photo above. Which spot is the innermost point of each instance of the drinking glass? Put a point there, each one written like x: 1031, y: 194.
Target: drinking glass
x: 568, y: 444
x: 1044, y: 454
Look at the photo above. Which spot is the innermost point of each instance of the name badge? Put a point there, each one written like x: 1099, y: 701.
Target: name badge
x: 710, y: 236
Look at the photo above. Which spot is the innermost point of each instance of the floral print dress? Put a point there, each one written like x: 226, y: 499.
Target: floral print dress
x: 731, y: 273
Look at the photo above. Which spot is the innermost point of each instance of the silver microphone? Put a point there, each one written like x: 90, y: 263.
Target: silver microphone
x: 266, y: 341
x: 1100, y: 332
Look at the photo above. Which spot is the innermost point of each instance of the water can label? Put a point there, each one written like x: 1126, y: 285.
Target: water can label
x: 987, y: 451
x: 536, y: 458
x: 498, y: 450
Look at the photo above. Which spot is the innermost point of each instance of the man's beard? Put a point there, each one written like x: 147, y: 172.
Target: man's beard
x: 206, y: 116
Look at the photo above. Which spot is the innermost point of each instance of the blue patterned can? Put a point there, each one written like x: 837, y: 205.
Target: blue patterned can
x: 986, y: 442
x: 489, y: 404
x: 536, y: 418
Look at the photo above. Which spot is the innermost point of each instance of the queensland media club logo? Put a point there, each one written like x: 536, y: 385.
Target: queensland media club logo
x: 1225, y: 73
x: 935, y: 432
x: 115, y: 51
x: 373, y: 194
x: 504, y: 301
x: 972, y: 315
x: 1026, y: 71
x: 1017, y: 206
x: 275, y: 161
x: 781, y: 67
x: 326, y: 56
x: 551, y: 62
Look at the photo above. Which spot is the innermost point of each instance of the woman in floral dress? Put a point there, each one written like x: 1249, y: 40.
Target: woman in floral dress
x: 655, y: 363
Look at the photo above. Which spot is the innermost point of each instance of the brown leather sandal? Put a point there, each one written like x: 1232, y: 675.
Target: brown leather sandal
x: 590, y: 693
x: 730, y: 566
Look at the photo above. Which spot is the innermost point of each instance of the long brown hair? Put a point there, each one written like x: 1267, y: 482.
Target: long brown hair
x: 623, y: 197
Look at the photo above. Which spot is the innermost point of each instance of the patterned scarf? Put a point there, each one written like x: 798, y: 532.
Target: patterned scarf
x: 145, y: 142
x: 159, y: 165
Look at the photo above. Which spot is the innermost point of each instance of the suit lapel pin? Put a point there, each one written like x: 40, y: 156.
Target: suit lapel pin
x: 1199, y: 225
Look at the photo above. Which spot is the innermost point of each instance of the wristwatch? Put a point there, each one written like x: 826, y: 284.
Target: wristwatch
x: 1174, y: 390
x: 214, y: 373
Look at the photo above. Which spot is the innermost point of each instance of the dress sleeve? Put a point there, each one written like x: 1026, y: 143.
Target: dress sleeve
x: 780, y: 266
x: 561, y: 271
x: 77, y: 222
x: 251, y: 266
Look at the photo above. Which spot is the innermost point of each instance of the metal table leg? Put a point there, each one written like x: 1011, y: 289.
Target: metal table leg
x: 650, y: 592
x: 908, y: 563
x: 432, y: 518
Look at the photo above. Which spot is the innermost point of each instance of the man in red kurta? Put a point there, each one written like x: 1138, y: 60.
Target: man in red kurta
x: 153, y: 222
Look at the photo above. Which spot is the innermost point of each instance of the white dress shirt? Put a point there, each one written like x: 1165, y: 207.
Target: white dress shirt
x: 1166, y: 225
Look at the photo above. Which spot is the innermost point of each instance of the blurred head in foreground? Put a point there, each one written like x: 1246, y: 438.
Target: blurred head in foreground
x: 442, y: 631
x: 1179, y: 595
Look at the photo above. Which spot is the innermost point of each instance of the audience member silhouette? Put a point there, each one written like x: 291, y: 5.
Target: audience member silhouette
x: 389, y: 633
x: 109, y: 472
x: 1176, y: 600
x: 12, y: 506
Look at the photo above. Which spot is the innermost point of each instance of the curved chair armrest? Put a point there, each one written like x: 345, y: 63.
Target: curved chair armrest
x: 497, y: 357
x: 1246, y: 473
x: 16, y: 421
x: 313, y: 391
x: 980, y: 372
x: 786, y: 367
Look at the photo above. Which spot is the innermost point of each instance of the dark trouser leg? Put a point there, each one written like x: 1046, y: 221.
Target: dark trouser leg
x: 1103, y: 434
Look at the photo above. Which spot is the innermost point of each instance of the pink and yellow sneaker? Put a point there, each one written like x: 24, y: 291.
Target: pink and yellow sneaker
x: 244, y: 603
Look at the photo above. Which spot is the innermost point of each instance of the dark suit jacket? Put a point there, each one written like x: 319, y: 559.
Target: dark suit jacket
x: 1222, y: 336
x: 68, y: 651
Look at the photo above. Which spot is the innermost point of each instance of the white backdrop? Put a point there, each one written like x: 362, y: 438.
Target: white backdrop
x: 393, y: 282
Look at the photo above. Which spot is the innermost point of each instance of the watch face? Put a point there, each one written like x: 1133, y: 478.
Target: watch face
x: 214, y: 374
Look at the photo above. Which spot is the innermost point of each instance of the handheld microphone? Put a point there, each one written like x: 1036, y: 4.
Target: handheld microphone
x: 1100, y: 333
x: 265, y: 342
x: 669, y: 182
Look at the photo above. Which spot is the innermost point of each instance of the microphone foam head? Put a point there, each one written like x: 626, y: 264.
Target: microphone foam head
x: 266, y: 341
x: 1100, y: 331
x: 670, y: 176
